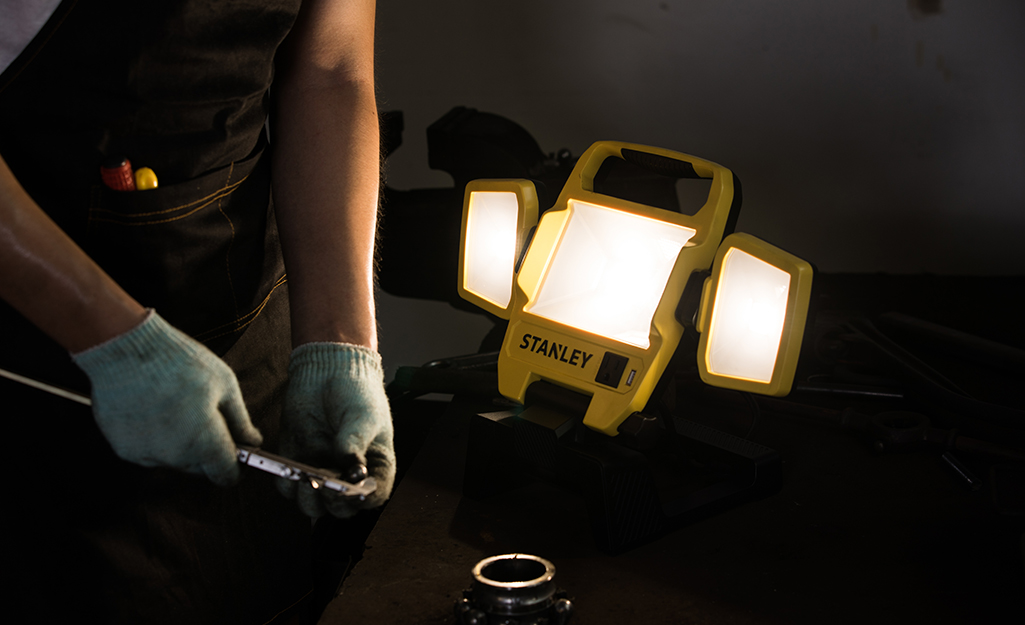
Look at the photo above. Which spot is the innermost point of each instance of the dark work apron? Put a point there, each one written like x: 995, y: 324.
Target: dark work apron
x: 180, y: 87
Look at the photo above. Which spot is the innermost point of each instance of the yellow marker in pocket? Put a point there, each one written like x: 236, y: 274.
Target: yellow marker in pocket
x: 145, y: 178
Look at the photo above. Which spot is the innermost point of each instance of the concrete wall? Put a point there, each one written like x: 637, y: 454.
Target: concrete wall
x: 870, y: 135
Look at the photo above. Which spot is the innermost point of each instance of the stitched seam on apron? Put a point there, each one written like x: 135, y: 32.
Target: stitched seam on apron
x: 125, y: 219
x: 227, y: 253
x: 206, y: 336
x: 297, y: 602
x: 213, y: 196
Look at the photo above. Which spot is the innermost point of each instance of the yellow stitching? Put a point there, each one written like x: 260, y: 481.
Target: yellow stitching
x: 202, y: 336
x: 297, y: 602
x: 216, y: 195
x: 227, y: 260
x: 159, y: 221
x: 225, y: 189
x: 279, y: 282
x: 227, y: 253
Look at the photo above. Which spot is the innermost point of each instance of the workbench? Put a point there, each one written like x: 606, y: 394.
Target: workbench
x: 852, y: 535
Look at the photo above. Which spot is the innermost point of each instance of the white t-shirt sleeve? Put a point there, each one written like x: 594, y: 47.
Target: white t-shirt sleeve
x: 22, y: 20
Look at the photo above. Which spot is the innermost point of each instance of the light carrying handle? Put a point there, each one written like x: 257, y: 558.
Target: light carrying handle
x: 680, y: 166
x: 713, y: 221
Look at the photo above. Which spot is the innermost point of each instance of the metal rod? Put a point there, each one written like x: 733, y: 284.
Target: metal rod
x: 961, y: 470
x: 53, y: 390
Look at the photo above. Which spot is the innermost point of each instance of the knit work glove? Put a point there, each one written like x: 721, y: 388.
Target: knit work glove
x: 163, y: 400
x: 336, y: 415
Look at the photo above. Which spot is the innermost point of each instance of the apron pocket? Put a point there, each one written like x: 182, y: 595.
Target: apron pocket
x: 203, y: 253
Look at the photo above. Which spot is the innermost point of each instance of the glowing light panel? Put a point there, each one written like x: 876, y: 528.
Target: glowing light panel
x: 490, y: 252
x: 747, y: 318
x: 608, y: 272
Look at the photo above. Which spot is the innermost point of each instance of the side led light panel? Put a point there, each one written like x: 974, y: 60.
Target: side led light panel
x: 752, y: 318
x: 747, y: 318
x: 497, y: 218
x: 608, y: 272
x: 490, y: 251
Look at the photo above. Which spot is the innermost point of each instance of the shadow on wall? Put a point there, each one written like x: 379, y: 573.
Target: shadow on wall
x: 871, y: 136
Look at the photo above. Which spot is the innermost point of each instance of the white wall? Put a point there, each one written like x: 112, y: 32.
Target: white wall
x: 869, y: 135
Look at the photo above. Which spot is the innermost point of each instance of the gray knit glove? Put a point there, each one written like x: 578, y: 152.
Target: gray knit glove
x: 337, y: 415
x: 162, y: 399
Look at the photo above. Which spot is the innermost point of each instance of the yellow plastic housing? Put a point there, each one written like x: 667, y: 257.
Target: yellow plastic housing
x: 497, y: 216
x: 538, y: 347
x: 753, y: 312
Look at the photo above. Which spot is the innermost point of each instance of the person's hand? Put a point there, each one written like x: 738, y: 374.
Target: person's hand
x: 336, y: 415
x: 162, y: 399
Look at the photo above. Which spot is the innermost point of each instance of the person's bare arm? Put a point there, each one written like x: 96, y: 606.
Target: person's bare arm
x: 325, y: 181
x: 326, y: 171
x: 46, y: 277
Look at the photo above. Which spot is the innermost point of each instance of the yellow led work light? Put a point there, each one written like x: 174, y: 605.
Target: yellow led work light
x: 592, y: 305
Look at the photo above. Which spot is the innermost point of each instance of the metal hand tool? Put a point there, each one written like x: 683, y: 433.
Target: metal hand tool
x: 355, y: 484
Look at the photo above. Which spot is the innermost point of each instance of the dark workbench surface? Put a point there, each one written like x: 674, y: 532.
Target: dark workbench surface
x: 852, y: 536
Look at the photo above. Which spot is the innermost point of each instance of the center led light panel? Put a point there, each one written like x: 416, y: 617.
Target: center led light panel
x: 609, y: 271
x: 748, y: 317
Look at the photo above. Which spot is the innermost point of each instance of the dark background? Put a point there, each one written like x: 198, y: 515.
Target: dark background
x: 871, y: 136
x: 882, y: 141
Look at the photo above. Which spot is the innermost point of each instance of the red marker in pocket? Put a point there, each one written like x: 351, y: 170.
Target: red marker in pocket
x: 116, y: 173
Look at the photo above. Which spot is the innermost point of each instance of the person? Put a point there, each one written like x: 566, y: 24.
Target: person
x: 175, y: 305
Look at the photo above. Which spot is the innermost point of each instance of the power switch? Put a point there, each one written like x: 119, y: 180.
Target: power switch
x: 610, y: 372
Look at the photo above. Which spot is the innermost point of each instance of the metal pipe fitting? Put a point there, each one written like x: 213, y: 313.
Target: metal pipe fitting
x: 513, y: 589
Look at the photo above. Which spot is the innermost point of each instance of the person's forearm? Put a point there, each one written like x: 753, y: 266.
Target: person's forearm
x: 326, y: 179
x: 49, y: 279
